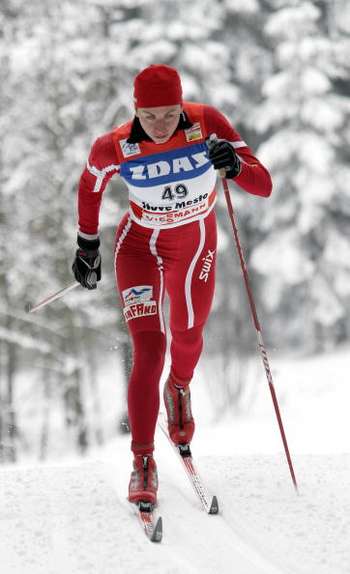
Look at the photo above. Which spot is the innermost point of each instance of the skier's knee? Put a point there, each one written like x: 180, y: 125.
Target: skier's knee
x: 149, y: 347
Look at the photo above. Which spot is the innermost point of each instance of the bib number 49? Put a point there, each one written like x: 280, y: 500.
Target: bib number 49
x: 178, y: 191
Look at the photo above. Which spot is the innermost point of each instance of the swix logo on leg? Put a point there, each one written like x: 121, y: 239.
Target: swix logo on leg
x: 206, y: 266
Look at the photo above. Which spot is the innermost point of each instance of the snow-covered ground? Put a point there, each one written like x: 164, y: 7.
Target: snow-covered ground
x: 73, y: 518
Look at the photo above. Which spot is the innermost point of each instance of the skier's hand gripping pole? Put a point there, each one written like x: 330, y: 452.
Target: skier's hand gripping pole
x: 223, y: 157
x: 86, y: 269
x: 223, y: 173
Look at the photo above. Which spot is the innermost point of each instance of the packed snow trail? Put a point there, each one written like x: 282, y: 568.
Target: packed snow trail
x: 75, y: 519
x: 68, y: 519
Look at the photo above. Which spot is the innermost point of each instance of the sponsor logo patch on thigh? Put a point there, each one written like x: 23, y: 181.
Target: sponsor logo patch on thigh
x: 138, y: 302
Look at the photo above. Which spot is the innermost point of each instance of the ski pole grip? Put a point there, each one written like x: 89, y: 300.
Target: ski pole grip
x: 222, y: 171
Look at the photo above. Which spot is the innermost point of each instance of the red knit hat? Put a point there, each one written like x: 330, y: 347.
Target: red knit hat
x: 157, y: 85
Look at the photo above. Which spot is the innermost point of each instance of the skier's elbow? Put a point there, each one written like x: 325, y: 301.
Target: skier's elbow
x: 267, y: 188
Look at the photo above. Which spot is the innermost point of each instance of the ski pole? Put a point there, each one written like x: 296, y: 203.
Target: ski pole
x: 261, y: 345
x: 32, y: 308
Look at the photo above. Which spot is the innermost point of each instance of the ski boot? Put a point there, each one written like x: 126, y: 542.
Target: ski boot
x: 143, y: 483
x: 177, y: 400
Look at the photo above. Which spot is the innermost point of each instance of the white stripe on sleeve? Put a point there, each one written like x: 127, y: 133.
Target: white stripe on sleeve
x: 238, y: 144
x: 100, y: 174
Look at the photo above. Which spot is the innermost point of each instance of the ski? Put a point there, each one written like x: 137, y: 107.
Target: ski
x: 152, y: 526
x: 209, y: 503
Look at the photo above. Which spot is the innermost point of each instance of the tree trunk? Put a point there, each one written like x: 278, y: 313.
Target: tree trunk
x: 10, y: 425
x: 45, y: 428
x: 93, y: 382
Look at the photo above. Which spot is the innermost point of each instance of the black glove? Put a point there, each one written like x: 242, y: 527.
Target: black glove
x: 223, y: 156
x: 87, y: 262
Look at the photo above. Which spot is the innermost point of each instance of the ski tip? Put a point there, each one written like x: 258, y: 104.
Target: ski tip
x: 157, y: 533
x: 214, y: 507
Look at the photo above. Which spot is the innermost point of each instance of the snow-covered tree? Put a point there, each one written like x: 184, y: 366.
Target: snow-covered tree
x: 67, y: 78
x: 304, y: 256
x: 64, y: 75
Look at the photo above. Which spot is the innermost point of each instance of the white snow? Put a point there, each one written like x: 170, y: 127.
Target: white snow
x: 73, y: 517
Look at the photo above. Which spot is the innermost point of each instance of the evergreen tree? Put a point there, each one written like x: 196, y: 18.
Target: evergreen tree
x: 63, y: 84
x: 65, y: 80
x: 304, y: 254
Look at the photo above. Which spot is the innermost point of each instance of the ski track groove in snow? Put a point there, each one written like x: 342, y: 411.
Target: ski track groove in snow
x: 301, y: 534
x: 70, y: 519
x: 75, y: 519
x: 207, y: 542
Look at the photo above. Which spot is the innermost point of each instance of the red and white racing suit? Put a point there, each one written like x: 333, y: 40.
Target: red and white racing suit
x: 166, y: 243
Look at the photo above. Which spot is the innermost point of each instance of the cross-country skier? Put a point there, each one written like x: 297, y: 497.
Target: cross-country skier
x: 165, y: 243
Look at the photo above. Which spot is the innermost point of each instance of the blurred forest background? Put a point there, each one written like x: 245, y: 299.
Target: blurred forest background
x: 279, y: 69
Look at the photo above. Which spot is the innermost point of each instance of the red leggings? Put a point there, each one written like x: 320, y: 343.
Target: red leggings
x: 179, y: 261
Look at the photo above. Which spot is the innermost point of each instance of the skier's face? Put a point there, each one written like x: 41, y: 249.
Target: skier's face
x: 159, y: 123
